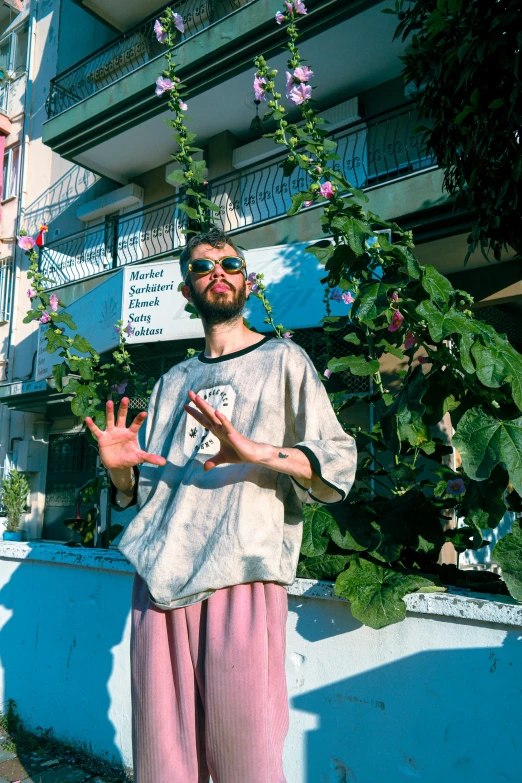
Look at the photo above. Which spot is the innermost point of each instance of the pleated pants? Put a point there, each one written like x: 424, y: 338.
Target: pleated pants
x: 209, y: 690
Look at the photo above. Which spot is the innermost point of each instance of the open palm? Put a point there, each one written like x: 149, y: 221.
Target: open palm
x: 118, y: 444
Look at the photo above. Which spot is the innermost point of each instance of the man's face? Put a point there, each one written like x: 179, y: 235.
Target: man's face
x: 219, y: 296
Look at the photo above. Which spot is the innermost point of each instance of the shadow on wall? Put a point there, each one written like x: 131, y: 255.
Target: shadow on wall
x: 440, y: 714
x: 61, y: 629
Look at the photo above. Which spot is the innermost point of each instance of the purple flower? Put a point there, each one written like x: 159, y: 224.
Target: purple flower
x: 336, y: 295
x: 178, y: 22
x: 289, y: 83
x: 26, y: 243
x: 45, y: 318
x: 303, y: 73
x: 259, y: 92
x: 117, y: 329
x: 396, y: 321
x: 31, y: 293
x: 289, y: 6
x: 162, y: 85
x: 252, y: 277
x: 455, y: 487
x: 183, y: 106
x: 347, y: 297
x: 119, y: 387
x: 424, y: 360
x: 279, y: 17
x: 129, y: 329
x: 394, y: 297
x: 53, y: 301
x: 326, y: 190
x: 300, y: 93
x: 160, y: 33
x: 288, y: 335
x: 299, y: 7
x: 327, y: 373
x: 410, y: 341
x: 308, y: 203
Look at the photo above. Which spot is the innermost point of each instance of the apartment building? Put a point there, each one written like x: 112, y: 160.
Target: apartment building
x: 96, y: 159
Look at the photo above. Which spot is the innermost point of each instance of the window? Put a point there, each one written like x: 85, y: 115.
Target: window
x: 13, y: 52
x: 11, y: 172
x: 6, y: 288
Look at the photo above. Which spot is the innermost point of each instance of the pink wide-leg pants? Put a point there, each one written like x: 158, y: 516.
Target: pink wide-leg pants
x: 208, y: 687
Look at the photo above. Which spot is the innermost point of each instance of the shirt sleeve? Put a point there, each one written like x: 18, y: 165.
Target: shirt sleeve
x: 319, y: 435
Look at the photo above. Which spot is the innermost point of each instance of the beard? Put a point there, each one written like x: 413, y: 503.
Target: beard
x: 219, y: 308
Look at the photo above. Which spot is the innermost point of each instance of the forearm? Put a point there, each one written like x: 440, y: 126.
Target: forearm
x: 290, y: 461
x: 123, y: 479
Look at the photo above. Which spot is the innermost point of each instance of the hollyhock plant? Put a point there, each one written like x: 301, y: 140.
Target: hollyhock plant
x: 308, y: 203
x: 279, y: 17
x: 396, y: 321
x: 455, y: 487
x: 53, y: 301
x: 299, y: 7
x: 336, y: 295
x: 303, y: 73
x: 31, y: 293
x: 119, y: 387
x: 287, y: 335
x: 410, y: 341
x: 252, y: 277
x: 326, y: 190
x: 289, y: 83
x: 26, y: 243
x: 394, y: 297
x: 327, y: 373
x: 424, y: 360
x: 300, y: 93
x: 259, y: 83
x: 159, y: 32
x: 289, y: 6
x: 162, y: 85
x: 347, y: 297
x: 183, y: 106
x: 178, y: 22
x: 45, y: 317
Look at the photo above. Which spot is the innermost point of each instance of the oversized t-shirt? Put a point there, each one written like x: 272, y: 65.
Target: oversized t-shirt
x: 195, y: 531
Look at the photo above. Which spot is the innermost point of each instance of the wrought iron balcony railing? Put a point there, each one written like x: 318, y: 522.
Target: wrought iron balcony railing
x: 129, y: 51
x: 380, y: 149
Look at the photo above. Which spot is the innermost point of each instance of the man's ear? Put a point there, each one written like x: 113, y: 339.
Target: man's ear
x: 185, y: 290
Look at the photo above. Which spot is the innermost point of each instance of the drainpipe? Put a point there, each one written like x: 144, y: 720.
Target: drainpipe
x: 23, y: 185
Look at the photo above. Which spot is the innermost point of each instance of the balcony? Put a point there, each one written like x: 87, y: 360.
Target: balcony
x: 136, y: 47
x: 375, y: 151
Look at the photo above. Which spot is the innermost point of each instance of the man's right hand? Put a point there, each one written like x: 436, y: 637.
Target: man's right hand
x: 118, y: 444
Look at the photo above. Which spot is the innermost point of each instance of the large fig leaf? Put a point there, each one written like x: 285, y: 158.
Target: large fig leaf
x: 508, y: 555
x: 484, y: 500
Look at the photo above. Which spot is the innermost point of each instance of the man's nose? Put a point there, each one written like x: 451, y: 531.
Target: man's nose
x: 217, y: 272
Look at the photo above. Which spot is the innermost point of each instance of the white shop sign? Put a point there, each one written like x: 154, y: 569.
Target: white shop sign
x: 146, y: 295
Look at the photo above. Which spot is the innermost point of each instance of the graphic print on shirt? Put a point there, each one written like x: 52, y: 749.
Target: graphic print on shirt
x: 197, y: 438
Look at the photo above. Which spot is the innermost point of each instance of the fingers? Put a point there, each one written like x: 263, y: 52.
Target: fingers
x: 96, y: 431
x: 204, y: 407
x: 122, y: 412
x: 138, y: 421
x: 109, y: 414
x: 152, y: 459
x: 198, y: 416
x: 225, y: 423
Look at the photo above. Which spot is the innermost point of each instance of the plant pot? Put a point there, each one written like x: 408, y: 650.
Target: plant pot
x: 12, y: 535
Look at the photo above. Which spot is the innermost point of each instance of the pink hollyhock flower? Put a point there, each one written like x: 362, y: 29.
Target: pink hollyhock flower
x: 424, y: 360
x: 397, y: 319
x: 347, y: 297
x: 279, y: 17
x: 300, y: 93
x: 162, y: 85
x: 308, y: 203
x: 259, y: 91
x: 160, y: 33
x: 336, y: 295
x: 410, y: 341
x: 455, y: 487
x: 178, y: 22
x: 299, y: 7
x: 289, y: 6
x: 31, y: 293
x: 53, y: 301
x: 303, y: 73
x: 394, y: 297
x: 183, y: 106
x: 26, y: 243
x: 120, y: 387
x: 327, y: 373
x: 288, y: 335
x: 289, y: 83
x: 318, y: 169
x: 326, y: 190
x: 45, y: 318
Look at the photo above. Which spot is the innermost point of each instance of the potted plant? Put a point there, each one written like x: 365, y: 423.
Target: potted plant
x: 15, y: 489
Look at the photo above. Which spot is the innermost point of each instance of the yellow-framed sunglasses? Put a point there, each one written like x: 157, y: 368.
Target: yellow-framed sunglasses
x: 204, y: 266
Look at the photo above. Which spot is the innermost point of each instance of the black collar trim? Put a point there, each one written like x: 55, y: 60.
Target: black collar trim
x: 227, y: 356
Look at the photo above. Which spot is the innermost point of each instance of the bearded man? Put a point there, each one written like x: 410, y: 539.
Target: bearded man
x: 237, y: 438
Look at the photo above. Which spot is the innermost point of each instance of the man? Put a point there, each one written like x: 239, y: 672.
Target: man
x: 236, y: 439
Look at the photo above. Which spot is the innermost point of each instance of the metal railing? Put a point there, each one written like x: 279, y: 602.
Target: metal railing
x: 4, y: 98
x: 129, y: 51
x: 6, y: 288
x: 372, y: 151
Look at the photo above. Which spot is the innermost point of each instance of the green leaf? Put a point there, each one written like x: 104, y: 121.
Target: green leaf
x: 59, y: 370
x: 210, y: 204
x: 403, y: 421
x: 442, y: 325
x: 321, y: 250
x: 483, y: 442
x: 497, y: 364
x: 191, y: 212
x: 508, y: 555
x: 356, y: 364
x: 80, y: 405
x: 436, y: 285
x: 178, y: 176
x: 81, y: 344
x: 389, y: 348
x: 483, y: 502
x: 376, y: 593
x: 32, y: 316
x: 298, y: 200
x: 65, y: 318
x: 355, y: 232
x: 317, y: 522
x: 496, y: 104
x: 323, y: 566
x: 352, y: 338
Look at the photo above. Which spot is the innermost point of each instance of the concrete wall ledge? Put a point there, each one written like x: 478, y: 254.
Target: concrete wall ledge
x: 461, y: 604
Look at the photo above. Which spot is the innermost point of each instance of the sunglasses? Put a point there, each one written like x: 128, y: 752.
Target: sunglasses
x: 203, y: 266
